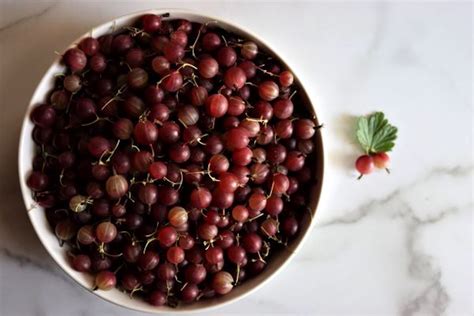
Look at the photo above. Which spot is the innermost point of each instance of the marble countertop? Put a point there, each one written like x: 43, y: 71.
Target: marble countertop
x: 398, y: 244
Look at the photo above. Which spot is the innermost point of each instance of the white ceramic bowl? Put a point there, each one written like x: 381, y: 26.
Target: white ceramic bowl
x: 47, y: 236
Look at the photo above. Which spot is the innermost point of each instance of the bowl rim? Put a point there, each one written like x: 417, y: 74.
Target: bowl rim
x: 176, y: 13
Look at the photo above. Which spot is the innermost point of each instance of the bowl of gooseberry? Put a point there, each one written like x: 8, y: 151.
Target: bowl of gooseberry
x: 170, y: 161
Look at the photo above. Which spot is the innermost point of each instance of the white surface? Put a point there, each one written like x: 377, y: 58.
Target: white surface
x: 385, y: 245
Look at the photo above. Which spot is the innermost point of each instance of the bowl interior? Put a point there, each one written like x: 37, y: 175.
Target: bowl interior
x: 50, y: 242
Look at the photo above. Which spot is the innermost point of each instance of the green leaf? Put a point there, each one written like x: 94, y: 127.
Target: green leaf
x: 375, y: 134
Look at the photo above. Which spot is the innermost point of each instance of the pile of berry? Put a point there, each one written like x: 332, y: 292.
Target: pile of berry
x: 173, y: 159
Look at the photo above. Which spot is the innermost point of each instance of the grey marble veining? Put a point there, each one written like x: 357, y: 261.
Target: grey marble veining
x: 398, y: 244
x: 434, y: 298
x: 25, y: 261
x: 355, y: 215
x: 5, y: 27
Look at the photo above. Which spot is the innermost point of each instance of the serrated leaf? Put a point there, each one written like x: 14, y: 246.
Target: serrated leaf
x: 375, y: 134
x: 363, y: 133
x: 384, y: 140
